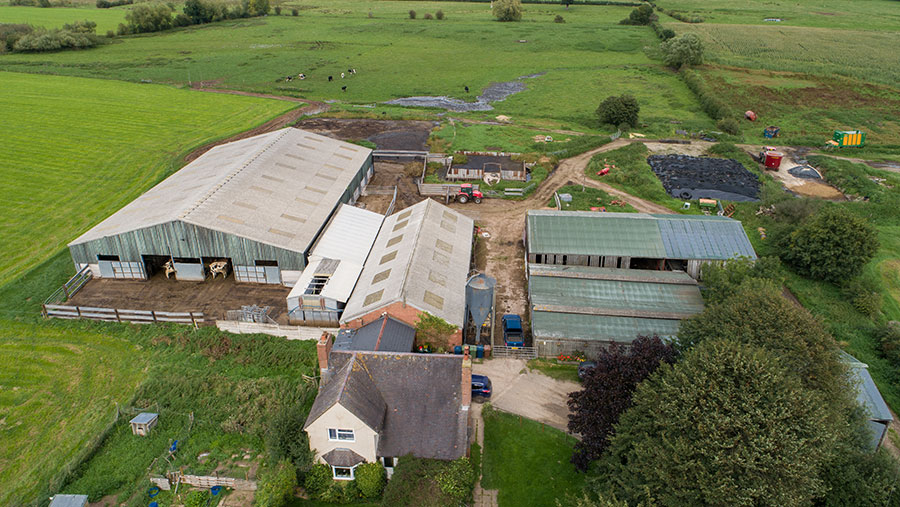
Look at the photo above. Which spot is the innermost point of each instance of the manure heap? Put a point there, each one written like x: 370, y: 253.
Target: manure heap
x: 686, y: 177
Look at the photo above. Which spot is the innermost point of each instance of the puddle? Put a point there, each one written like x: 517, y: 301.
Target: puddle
x: 493, y: 93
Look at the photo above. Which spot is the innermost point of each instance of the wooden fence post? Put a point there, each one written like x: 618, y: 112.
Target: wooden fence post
x: 66, y: 290
x: 78, y: 309
x: 153, y: 314
x: 118, y: 319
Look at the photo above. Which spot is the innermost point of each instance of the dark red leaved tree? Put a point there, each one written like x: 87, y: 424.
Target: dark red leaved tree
x: 607, y: 393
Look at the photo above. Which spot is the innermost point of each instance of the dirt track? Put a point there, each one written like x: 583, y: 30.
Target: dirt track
x: 504, y: 221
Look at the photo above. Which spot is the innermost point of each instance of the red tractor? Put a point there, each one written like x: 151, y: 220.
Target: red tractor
x: 467, y: 193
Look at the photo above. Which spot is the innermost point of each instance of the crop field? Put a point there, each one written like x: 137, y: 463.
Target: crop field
x: 58, y: 392
x: 75, y: 150
x: 862, y: 14
x: 584, y: 59
x: 870, y: 56
x: 56, y: 17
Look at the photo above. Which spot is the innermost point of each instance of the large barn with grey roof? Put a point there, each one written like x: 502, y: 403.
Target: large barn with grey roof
x: 259, y: 204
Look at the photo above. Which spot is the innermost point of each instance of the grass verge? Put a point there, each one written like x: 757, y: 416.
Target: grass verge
x: 554, y: 369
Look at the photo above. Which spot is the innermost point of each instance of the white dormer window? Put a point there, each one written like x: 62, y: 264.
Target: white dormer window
x: 341, y: 435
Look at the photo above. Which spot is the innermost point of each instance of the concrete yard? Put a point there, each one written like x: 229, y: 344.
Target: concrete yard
x: 212, y: 297
x: 526, y: 393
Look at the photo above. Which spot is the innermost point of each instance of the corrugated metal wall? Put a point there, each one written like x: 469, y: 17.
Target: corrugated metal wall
x: 180, y: 239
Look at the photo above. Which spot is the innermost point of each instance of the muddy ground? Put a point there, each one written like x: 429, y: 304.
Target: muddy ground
x: 386, y: 134
x: 212, y: 297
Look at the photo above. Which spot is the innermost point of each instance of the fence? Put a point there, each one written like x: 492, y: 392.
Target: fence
x: 69, y: 288
x: 117, y: 315
x: 514, y: 352
x: 518, y: 191
x: 202, y: 481
x: 289, y: 332
x: 390, y: 208
x: 378, y: 190
x: 439, y: 188
x: 398, y: 154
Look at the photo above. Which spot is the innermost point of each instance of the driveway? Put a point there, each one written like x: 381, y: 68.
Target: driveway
x: 529, y: 394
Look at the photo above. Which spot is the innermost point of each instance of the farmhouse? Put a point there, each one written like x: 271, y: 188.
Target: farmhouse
x: 386, y: 334
x: 420, y: 263
x: 378, y: 406
x: 253, y: 207
x: 633, y: 240
x: 335, y: 263
x: 589, y: 308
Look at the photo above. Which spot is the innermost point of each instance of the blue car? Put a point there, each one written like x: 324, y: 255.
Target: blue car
x: 513, y: 335
x: 481, y: 387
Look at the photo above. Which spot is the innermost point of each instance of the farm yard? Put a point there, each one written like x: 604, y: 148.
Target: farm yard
x: 88, y: 131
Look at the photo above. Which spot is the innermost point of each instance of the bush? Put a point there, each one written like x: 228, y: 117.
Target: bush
x: 10, y: 33
x: 709, y: 101
x: 54, y: 40
x: 719, y: 282
x: 559, y: 19
x: 110, y: 34
x: 457, y: 479
x: 667, y: 33
x: 864, y: 296
x: 832, y: 245
x: 508, y: 10
x: 370, y: 479
x: 287, y: 441
x: 428, y: 16
x: 258, y: 7
x: 686, y: 49
x: 618, y: 110
x: 641, y: 15
x: 439, y: 14
x: 888, y: 337
x: 415, y: 483
x: 278, y: 10
x: 412, y: 14
x: 729, y: 126
x: 106, y: 4
x: 276, y: 486
x: 317, y: 480
x: 146, y: 18
x: 296, y: 12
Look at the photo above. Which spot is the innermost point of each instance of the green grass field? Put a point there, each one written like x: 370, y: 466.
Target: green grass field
x: 58, y: 392
x: 76, y: 150
x: 862, y: 14
x: 585, y: 59
x: 56, y: 17
x: 527, y: 461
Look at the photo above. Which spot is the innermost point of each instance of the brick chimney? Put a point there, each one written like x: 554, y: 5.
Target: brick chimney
x: 323, y: 350
x: 466, y: 380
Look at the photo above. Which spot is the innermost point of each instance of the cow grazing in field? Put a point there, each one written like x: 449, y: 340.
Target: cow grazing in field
x: 330, y: 78
x: 289, y: 78
x: 343, y: 88
x: 342, y: 75
x: 467, y: 89
x: 301, y: 75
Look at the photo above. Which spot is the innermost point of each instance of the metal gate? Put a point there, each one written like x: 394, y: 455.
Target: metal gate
x: 514, y: 352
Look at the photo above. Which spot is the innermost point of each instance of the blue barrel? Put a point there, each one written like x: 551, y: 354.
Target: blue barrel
x: 457, y: 350
x: 479, y: 351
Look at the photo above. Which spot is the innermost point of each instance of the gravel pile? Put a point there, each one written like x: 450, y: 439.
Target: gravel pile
x: 686, y: 177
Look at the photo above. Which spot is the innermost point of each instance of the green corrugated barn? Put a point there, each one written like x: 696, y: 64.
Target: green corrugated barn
x: 588, y: 308
x: 257, y: 204
x: 633, y: 240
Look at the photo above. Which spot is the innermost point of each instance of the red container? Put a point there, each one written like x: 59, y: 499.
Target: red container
x: 773, y: 159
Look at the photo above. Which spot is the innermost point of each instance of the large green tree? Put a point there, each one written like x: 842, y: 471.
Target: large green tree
x: 619, y: 110
x: 756, y: 313
x: 725, y: 426
x: 507, y: 10
x: 685, y: 49
x: 831, y: 245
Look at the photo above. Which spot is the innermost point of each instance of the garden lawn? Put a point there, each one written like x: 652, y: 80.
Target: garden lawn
x: 554, y: 369
x: 76, y: 150
x: 526, y: 461
x: 574, y: 65
x: 59, y: 387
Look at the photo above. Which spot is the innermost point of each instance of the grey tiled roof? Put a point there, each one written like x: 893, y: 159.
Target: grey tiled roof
x: 353, y: 387
x: 386, y: 334
x: 342, y: 458
x: 422, y: 394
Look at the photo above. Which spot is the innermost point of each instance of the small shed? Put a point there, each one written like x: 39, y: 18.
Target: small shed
x: 68, y: 501
x: 143, y: 423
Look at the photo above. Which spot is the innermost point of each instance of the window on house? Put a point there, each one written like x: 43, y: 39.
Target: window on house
x: 388, y: 462
x: 341, y: 434
x: 342, y: 473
